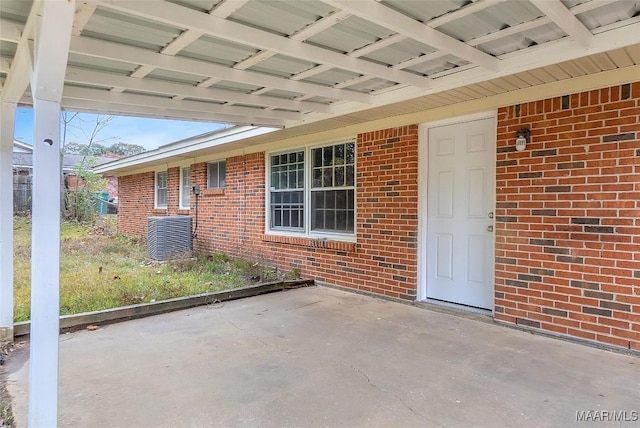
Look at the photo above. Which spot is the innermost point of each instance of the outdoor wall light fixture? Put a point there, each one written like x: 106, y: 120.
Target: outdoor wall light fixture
x: 522, y: 136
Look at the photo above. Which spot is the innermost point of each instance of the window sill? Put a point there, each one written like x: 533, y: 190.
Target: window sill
x: 213, y: 192
x: 311, y: 242
x: 159, y: 211
x: 184, y: 211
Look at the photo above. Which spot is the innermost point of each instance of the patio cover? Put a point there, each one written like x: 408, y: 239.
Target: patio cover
x: 303, y: 66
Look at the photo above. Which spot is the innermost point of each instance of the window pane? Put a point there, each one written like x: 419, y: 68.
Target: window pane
x: 161, y: 189
x: 339, y: 155
x: 317, y: 157
x: 216, y: 175
x: 327, y: 153
x: 351, y: 155
x: 331, y: 212
x: 327, y: 179
x: 338, y: 178
x: 222, y: 174
x: 287, y: 209
x: 350, y: 175
x: 287, y: 171
x: 185, y: 187
x: 317, y: 177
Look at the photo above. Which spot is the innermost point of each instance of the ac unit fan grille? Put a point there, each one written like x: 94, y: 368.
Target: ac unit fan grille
x: 169, y: 237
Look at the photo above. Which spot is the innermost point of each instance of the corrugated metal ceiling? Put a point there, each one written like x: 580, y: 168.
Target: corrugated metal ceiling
x: 368, y: 59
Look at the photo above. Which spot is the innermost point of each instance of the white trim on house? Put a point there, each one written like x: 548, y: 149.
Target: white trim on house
x: 22, y: 147
x: 185, y: 148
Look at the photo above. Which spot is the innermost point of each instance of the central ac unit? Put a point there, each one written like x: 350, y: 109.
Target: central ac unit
x: 169, y: 237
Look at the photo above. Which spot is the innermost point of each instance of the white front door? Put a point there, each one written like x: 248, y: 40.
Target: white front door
x: 460, y: 203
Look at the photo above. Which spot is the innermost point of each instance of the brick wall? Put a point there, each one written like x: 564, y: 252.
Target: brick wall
x: 135, y: 203
x: 568, y: 216
x: 232, y: 220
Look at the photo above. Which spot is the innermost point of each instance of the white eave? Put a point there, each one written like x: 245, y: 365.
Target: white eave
x: 184, y: 148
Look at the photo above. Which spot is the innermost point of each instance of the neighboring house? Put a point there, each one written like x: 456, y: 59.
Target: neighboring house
x: 441, y: 206
x: 23, y: 170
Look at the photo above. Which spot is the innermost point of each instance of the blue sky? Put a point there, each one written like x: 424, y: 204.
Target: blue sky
x: 148, y: 133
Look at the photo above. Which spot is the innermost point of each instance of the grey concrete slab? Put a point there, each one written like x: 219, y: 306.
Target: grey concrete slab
x: 320, y: 357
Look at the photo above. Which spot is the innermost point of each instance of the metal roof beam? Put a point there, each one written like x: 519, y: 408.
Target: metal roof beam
x: 94, y: 106
x: 389, y: 18
x: 377, y: 45
x: 253, y: 60
x: 155, y: 101
x: 90, y: 77
x: 184, y: 39
x: 227, y: 7
x: 565, y: 19
x: 19, y: 74
x: 472, y: 8
x: 311, y: 72
x: 175, y: 15
x: 421, y: 59
x: 311, y: 29
x: 84, y: 12
x: 118, y: 52
x: 320, y: 25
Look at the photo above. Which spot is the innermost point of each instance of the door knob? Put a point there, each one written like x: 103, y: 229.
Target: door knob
x: 489, y: 228
x: 490, y: 215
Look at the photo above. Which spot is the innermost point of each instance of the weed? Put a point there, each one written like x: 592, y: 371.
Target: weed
x: 294, y: 273
x: 101, y: 271
x: 6, y: 416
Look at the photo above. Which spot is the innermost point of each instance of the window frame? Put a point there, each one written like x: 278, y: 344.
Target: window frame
x: 181, y: 201
x: 156, y: 188
x: 218, y: 162
x: 306, y: 231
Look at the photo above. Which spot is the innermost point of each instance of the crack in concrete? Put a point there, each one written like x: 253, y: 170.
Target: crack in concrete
x: 411, y: 409
x: 303, y: 306
x: 256, y: 338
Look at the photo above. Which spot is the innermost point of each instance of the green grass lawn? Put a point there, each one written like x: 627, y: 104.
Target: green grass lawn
x: 100, y: 270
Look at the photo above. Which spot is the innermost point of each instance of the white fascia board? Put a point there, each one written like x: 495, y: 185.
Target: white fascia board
x: 23, y: 145
x: 184, y: 147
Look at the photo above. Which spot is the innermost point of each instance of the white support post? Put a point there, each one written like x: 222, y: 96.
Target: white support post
x: 7, y: 122
x: 45, y: 266
x: 47, y: 81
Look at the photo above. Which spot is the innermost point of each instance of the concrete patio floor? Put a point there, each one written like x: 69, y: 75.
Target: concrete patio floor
x: 323, y: 357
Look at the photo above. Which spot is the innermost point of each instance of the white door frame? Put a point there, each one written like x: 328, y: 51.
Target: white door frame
x: 423, y: 197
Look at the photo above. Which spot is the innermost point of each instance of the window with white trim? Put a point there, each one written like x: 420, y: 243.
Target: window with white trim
x: 185, y: 188
x: 312, y: 190
x: 216, y: 175
x: 287, y: 191
x: 333, y: 188
x: 161, y: 189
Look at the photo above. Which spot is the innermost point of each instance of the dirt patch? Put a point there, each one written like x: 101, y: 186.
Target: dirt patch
x: 6, y: 417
